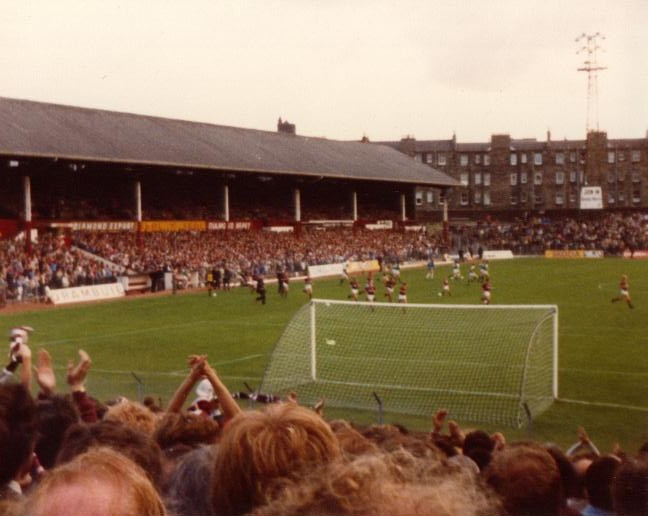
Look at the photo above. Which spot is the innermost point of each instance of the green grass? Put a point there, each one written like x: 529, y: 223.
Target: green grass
x: 603, y: 358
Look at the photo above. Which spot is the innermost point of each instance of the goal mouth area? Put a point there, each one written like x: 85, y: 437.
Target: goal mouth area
x: 483, y: 363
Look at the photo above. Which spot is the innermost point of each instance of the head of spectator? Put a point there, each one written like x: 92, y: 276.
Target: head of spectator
x: 150, y: 404
x: 101, y: 482
x: 384, y: 484
x: 55, y: 415
x: 352, y: 442
x: 18, y: 427
x: 260, y: 447
x: 598, y: 482
x: 190, y: 484
x: 630, y: 488
x: 527, y: 479
x: 132, y: 414
x: 136, y: 445
x: 478, y: 439
x: 176, y: 428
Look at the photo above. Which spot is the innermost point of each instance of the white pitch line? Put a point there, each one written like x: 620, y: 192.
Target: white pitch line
x: 607, y: 405
x: 142, y: 331
x: 603, y: 372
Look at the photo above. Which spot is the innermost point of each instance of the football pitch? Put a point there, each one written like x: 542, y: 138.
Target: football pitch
x: 139, y: 345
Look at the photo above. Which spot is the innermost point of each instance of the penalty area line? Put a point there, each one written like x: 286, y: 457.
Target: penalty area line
x: 604, y: 405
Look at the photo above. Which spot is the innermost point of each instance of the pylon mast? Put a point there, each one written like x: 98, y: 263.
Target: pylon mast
x: 591, y: 66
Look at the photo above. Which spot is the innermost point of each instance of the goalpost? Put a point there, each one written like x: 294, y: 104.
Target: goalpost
x: 483, y: 363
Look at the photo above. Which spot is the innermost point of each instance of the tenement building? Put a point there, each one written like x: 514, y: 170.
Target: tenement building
x: 515, y: 176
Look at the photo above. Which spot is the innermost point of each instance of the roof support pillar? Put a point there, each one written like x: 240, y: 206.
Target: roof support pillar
x: 354, y: 200
x: 138, y: 200
x: 297, y: 197
x: 226, y: 206
x: 403, y: 207
x: 28, y: 211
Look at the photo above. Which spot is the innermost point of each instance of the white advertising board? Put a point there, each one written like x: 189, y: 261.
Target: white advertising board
x: 61, y: 296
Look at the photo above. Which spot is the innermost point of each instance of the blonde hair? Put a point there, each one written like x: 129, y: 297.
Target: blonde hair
x: 260, y: 447
x: 134, y: 415
x: 88, y: 480
x: 384, y: 484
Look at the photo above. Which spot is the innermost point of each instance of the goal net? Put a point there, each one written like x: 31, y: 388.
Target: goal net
x: 483, y: 363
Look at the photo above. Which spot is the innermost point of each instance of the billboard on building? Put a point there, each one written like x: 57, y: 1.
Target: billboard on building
x: 591, y: 198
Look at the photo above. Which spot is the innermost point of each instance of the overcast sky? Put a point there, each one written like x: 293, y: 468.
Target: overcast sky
x: 336, y: 68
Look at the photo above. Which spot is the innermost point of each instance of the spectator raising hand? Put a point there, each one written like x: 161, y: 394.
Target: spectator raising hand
x: 45, y: 374
x: 76, y: 374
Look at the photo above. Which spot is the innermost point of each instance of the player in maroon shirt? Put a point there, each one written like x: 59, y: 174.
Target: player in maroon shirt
x: 486, y: 292
x: 390, y: 283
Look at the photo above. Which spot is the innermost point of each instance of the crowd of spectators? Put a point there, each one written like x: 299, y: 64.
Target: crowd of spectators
x: 612, y: 233
x: 51, y: 263
x: 87, y: 258
x: 67, y: 453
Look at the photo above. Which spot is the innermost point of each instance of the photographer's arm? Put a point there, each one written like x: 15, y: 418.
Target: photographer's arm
x: 26, y: 369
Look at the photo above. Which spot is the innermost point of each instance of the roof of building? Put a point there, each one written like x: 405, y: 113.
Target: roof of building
x: 38, y: 129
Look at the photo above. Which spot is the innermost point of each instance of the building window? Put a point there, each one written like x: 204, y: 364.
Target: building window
x: 611, y: 198
x: 486, y: 198
x: 523, y: 158
x: 487, y: 159
x: 523, y: 178
x: 572, y: 176
x: 572, y: 157
x: 464, y: 198
x: 463, y: 179
x: 621, y: 156
x: 441, y: 160
x: 611, y: 158
x: 523, y: 197
x: 611, y: 177
x: 478, y: 178
x: 537, y: 158
x: 621, y: 197
x: 463, y: 160
x: 513, y: 179
x: 430, y: 197
x: 514, y: 198
x: 572, y: 197
x: 636, y: 196
x: 636, y: 176
x: 477, y: 197
x: 513, y: 158
x: 537, y: 198
x: 560, y: 158
x: 621, y: 175
x: 560, y: 178
x: 486, y: 178
x: 537, y: 178
x: 560, y: 198
x: 429, y: 157
x: 419, y: 198
x: 477, y: 159
x: 635, y: 156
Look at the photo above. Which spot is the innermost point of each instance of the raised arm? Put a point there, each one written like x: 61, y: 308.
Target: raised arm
x: 76, y: 375
x: 44, y: 372
x: 197, y: 365
x: 228, y: 404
